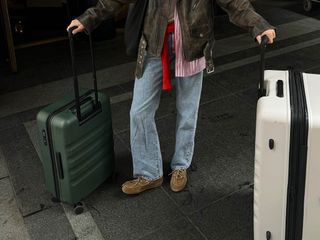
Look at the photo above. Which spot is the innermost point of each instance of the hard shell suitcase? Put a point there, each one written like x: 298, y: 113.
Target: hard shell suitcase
x: 287, y: 157
x: 76, y: 141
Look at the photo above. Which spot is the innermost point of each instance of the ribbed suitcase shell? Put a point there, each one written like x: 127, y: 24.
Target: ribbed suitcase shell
x: 76, y: 157
x: 272, y: 159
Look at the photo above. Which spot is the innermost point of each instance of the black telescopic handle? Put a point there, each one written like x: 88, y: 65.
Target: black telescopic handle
x: 75, y: 75
x: 263, y: 46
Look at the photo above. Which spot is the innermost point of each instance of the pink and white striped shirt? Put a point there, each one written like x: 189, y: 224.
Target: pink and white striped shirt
x: 184, y: 68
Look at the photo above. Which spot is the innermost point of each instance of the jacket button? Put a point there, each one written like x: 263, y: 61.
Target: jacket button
x: 201, y: 35
x: 210, y: 68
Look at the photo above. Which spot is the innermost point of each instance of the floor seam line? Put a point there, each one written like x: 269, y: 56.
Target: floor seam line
x: 156, y: 119
x: 154, y: 231
x: 226, y: 96
x: 216, y: 99
x: 38, y: 211
x: 185, y: 216
x: 123, y: 142
x: 246, y: 102
x: 226, y: 89
x: 4, y: 177
x: 317, y: 66
x: 224, y: 197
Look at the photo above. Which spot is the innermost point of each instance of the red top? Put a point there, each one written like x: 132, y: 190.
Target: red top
x: 165, y: 58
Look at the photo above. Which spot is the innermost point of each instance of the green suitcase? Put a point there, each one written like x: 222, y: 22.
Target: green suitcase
x: 76, y: 141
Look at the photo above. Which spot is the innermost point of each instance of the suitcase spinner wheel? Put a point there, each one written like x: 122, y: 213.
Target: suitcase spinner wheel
x: 78, y: 208
x: 307, y: 5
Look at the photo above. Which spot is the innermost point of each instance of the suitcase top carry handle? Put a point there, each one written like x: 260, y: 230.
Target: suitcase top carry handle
x: 75, y: 75
x: 263, y: 46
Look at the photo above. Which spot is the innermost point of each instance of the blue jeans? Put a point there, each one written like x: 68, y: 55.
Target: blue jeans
x: 145, y: 146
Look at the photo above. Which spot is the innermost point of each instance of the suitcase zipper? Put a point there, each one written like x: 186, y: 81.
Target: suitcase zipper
x: 298, y: 157
x: 55, y: 163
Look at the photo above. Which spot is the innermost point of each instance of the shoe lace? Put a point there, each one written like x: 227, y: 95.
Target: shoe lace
x: 177, y: 173
x: 139, y: 180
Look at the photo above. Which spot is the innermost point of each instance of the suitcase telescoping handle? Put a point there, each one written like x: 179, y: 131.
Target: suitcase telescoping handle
x: 75, y: 75
x: 263, y: 46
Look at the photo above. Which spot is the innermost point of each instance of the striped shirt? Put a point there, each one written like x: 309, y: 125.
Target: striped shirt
x: 184, y: 68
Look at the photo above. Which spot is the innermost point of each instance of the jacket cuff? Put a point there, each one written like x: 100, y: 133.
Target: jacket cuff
x: 261, y: 27
x: 86, y: 22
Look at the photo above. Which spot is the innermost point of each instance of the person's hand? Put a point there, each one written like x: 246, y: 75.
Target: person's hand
x: 78, y: 24
x: 271, y: 34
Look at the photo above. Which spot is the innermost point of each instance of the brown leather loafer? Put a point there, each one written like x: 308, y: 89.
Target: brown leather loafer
x: 178, y: 180
x: 140, y: 185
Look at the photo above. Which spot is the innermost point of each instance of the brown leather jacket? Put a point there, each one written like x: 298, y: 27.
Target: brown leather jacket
x: 196, y: 17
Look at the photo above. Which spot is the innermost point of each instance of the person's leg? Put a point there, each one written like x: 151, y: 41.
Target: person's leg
x: 187, y: 102
x: 145, y: 147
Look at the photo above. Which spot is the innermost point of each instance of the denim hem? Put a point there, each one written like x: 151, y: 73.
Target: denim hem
x: 179, y: 168
x: 149, y: 179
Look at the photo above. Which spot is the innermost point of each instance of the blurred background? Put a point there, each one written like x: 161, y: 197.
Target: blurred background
x: 36, y: 29
x: 30, y: 23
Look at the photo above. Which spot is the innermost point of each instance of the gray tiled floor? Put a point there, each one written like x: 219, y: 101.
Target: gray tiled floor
x: 27, y: 176
x: 51, y: 223
x: 11, y: 221
x: 228, y: 219
x: 120, y: 217
x: 218, y: 154
x: 181, y: 229
x: 217, y: 203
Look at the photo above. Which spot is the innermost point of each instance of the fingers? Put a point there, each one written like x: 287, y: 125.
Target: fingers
x: 259, y: 39
x: 76, y: 23
x: 271, y: 34
x: 72, y: 24
x: 77, y: 30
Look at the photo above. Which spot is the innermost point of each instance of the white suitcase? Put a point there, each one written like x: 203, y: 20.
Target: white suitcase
x: 287, y: 158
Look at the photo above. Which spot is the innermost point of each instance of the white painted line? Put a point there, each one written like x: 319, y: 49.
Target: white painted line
x: 40, y: 95
x: 270, y: 54
x: 121, y: 98
x: 83, y: 225
x: 43, y: 94
x: 11, y: 222
x: 246, y: 61
x: 284, y: 31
